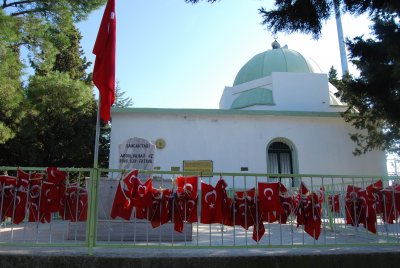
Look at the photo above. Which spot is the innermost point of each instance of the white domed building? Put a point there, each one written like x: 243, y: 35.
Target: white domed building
x: 280, y: 116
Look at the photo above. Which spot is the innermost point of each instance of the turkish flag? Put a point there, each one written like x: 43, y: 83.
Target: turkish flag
x: 179, y: 212
x: 334, y: 203
x: 312, y: 216
x: 131, y: 180
x: 76, y: 203
x: 187, y: 195
x: 244, y: 203
x: 209, y: 204
x: 269, y: 200
x: 35, y: 186
x: 8, y: 185
x: 49, y: 199
x: 142, y: 196
x: 21, y: 197
x: 299, y: 210
x: 187, y: 186
x: 224, y: 203
x: 104, y: 66
x: 160, y: 212
x: 287, y: 208
x: 303, y: 188
x: 215, y: 204
x: 368, y: 209
x: 353, y: 206
x: 58, y: 178
x: 122, y: 205
x: 258, y: 228
x: 391, y: 203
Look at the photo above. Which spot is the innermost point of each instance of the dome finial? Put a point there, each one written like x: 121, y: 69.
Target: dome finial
x: 275, y: 44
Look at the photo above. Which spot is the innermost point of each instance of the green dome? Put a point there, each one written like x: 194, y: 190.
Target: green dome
x: 275, y: 60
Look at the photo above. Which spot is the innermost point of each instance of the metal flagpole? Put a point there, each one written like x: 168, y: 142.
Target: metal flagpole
x: 97, y: 137
x: 343, y: 57
x: 91, y: 223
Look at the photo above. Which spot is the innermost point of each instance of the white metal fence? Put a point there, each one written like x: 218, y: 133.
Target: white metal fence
x: 86, y: 207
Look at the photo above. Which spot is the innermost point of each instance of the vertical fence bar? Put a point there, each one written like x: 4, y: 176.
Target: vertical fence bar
x: 91, y: 224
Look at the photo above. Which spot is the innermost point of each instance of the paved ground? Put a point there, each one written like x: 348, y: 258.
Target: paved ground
x: 281, y: 246
x: 12, y: 257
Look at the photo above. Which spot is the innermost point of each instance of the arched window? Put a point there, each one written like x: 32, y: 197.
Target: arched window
x: 280, y: 158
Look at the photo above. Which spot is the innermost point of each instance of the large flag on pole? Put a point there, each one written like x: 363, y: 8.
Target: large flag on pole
x: 104, y: 66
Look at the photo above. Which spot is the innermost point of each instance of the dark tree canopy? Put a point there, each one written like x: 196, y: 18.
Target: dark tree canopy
x: 48, y: 115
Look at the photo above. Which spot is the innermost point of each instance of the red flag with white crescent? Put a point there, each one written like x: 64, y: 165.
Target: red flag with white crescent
x: 122, y: 205
x: 104, y: 66
x: 269, y: 200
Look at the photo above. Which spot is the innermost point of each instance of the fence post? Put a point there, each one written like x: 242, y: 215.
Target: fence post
x: 91, y: 224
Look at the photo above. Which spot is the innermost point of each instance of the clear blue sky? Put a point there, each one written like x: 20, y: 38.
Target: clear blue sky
x: 176, y: 55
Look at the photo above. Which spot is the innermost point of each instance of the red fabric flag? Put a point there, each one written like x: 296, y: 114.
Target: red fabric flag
x: 258, y: 230
x: 353, y: 206
x: 142, y: 196
x: 187, y: 186
x: 160, y: 212
x: 287, y: 208
x: 224, y: 212
x: 104, y: 66
x: 391, y: 203
x: 269, y: 200
x: 187, y: 193
x: 375, y: 187
x: 299, y: 210
x: 312, y: 209
x: 245, y: 215
x: 209, y: 204
x: 48, y: 199
x: 215, y: 204
x: 7, y: 192
x: 35, y: 185
x: 334, y: 203
x: 76, y: 203
x: 122, y: 205
x: 131, y: 180
x: 21, y: 197
x: 58, y: 178
x: 155, y: 208
x: 303, y: 188
x: 368, y: 210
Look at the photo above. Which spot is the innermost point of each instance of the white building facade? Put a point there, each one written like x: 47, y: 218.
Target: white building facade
x: 280, y: 116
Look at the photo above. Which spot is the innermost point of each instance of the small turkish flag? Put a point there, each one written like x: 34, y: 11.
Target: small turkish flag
x: 142, y: 196
x: 122, y: 205
x: 208, y: 204
x: 269, y: 200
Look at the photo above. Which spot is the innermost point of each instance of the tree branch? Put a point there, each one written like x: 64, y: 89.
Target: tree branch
x: 5, y: 5
x: 15, y: 14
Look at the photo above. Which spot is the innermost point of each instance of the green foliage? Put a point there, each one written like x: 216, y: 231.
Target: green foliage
x: 374, y: 97
x: 120, y: 100
x: 62, y: 123
x: 53, y: 9
x: 48, y: 119
x: 11, y: 92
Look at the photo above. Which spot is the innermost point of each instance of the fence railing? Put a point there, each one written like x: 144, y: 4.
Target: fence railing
x: 116, y: 208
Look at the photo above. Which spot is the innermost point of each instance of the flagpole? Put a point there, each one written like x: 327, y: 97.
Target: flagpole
x: 342, y: 49
x: 97, y: 137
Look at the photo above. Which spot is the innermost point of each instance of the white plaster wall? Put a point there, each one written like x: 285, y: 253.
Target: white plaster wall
x: 234, y: 141
x: 291, y: 92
